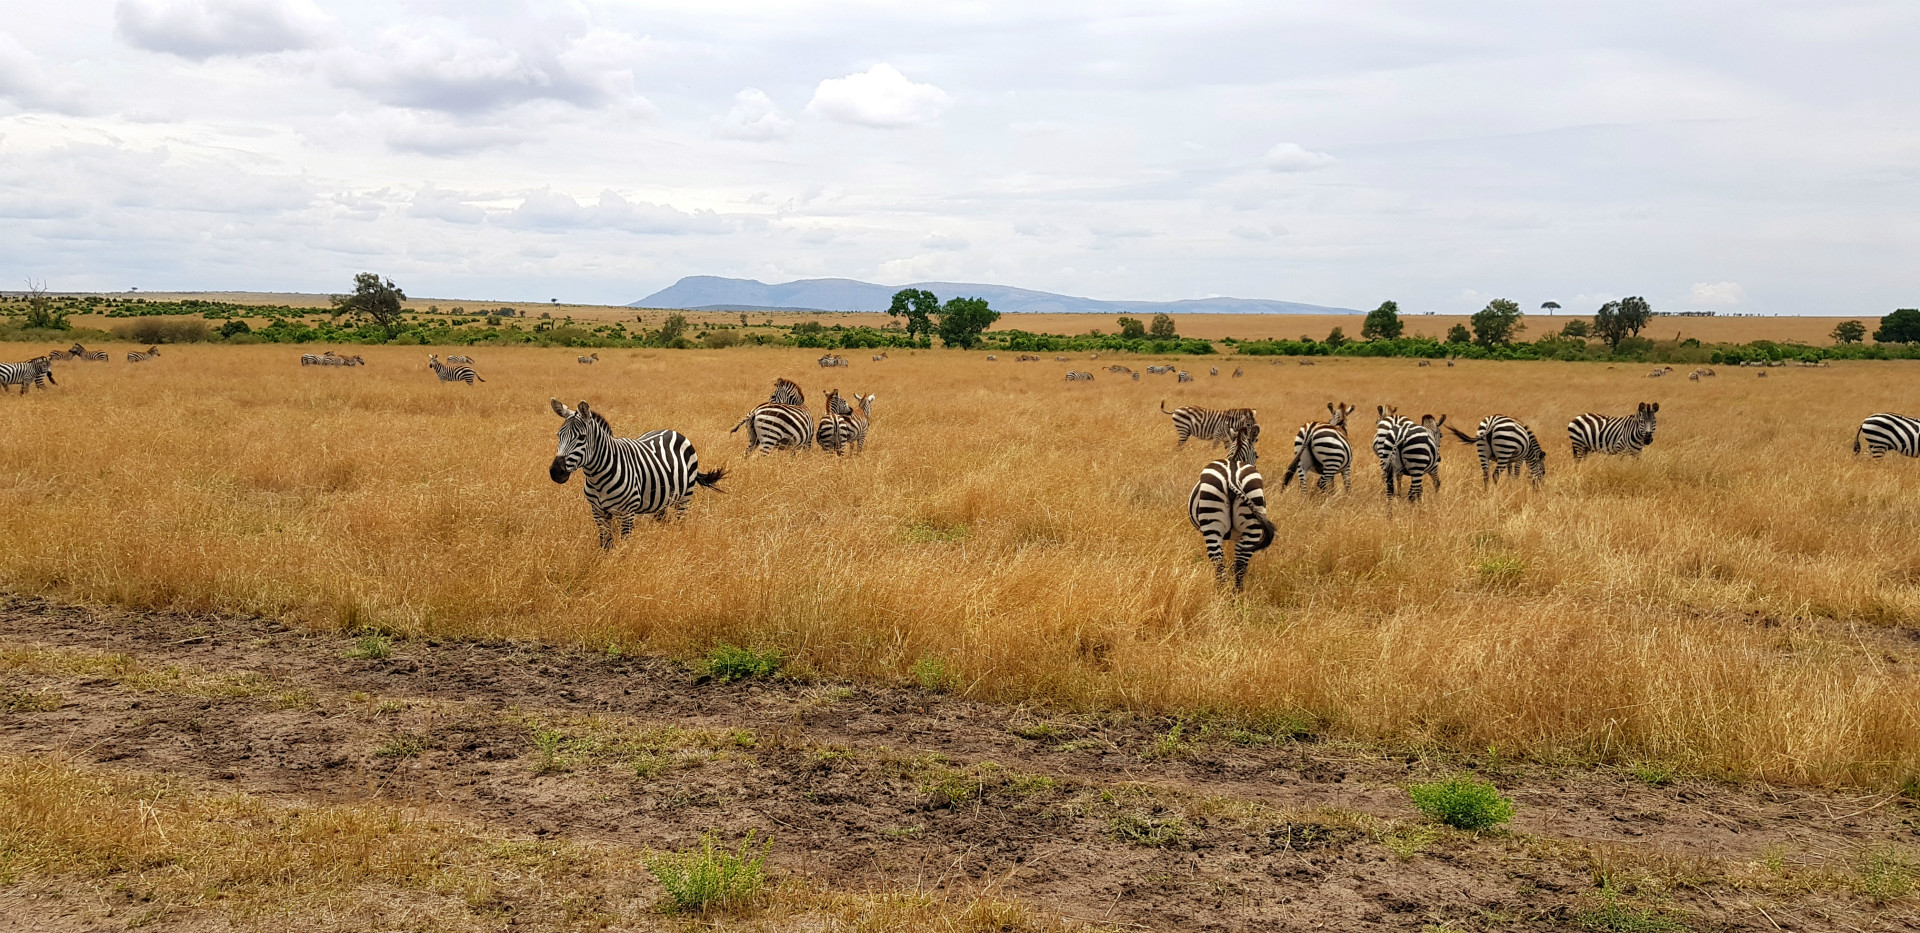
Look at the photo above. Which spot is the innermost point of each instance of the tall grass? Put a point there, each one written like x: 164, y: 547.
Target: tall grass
x: 1733, y: 602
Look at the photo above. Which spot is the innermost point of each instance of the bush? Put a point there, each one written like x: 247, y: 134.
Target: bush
x: 234, y: 328
x: 1462, y: 802
x: 730, y: 662
x: 707, y: 877
x: 156, y: 330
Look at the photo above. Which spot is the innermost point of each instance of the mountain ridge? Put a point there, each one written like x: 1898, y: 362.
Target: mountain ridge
x: 719, y: 293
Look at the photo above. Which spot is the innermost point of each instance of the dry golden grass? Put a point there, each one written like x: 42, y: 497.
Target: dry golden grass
x: 1736, y: 602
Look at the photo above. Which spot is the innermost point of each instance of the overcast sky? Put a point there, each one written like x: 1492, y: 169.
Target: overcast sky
x: 1738, y: 156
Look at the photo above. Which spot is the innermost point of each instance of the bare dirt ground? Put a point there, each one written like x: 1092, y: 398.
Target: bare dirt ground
x: 1108, y: 820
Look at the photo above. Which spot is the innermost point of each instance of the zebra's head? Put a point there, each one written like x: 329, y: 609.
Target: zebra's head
x: 1645, y: 421
x: 578, y: 428
x: 836, y: 404
x: 866, y: 404
x: 1337, y: 414
x: 433, y: 361
x: 1240, y: 445
x: 1432, y: 426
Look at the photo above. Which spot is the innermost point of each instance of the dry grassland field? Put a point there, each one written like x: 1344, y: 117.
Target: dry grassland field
x: 327, y: 649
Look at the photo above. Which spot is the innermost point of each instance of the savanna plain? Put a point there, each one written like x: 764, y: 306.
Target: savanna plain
x: 325, y: 648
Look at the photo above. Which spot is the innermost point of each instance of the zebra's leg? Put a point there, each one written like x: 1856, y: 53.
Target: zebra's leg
x: 1413, y: 487
x: 1216, y: 554
x: 604, y: 521
x: 1386, y: 475
x: 626, y: 524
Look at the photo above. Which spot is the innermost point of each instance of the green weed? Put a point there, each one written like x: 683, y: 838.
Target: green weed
x: 1462, y: 802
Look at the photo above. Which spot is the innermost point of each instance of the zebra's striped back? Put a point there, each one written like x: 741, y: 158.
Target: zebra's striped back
x: 58, y: 355
x: 1230, y: 502
x: 787, y: 392
x: 1609, y: 434
x: 138, y: 357
x: 1216, y: 426
x: 626, y: 477
x: 862, y: 419
x: 26, y: 375
x: 773, y: 426
x: 836, y: 426
x: 1407, y: 449
x: 1882, y: 432
x: 461, y: 360
x: 452, y: 373
x: 1321, y: 448
x: 590, y: 360
x: 1503, y: 444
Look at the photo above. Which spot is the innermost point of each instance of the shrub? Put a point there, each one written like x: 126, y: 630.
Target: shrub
x: 1462, y: 802
x: 372, y: 648
x: 156, y: 330
x: 234, y: 328
x: 730, y: 662
x: 706, y: 877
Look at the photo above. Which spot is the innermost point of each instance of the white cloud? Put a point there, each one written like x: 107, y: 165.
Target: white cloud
x: 441, y: 66
x: 753, y: 116
x: 1716, y: 295
x: 203, y: 29
x: 1292, y: 157
x: 879, y: 97
x: 438, y: 204
x: 944, y: 241
x: 552, y: 211
x: 25, y: 83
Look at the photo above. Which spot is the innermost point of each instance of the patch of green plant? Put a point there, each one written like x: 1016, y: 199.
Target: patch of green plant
x: 1407, y: 841
x: 932, y: 674
x: 1885, y: 874
x: 1613, y: 916
x: 1501, y: 571
x: 1462, y: 802
x: 1147, y: 831
x: 1035, y: 730
x: 403, y: 745
x: 371, y: 648
x: 1174, y: 744
x: 708, y: 877
x: 24, y: 702
x: 727, y: 663
x: 1653, y: 773
x: 947, y: 785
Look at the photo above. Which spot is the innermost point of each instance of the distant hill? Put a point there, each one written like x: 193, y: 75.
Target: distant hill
x: 714, y: 293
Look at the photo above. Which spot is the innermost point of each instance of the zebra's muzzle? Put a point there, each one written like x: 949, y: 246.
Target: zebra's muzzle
x: 559, y: 470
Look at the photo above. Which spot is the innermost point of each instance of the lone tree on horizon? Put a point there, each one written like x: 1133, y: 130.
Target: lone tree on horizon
x: 1549, y: 307
x: 1383, y: 323
x: 374, y: 300
x: 1849, y: 332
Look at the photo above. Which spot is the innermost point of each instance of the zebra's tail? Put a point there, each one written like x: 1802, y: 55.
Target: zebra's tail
x: 1464, y: 437
x: 1856, y: 437
x: 1293, y: 469
x: 477, y: 376
x: 711, y: 478
x: 736, y: 428
x: 1163, y: 407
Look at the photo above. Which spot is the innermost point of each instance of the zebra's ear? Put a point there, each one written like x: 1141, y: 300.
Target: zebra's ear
x: 582, y: 407
x: 560, y: 409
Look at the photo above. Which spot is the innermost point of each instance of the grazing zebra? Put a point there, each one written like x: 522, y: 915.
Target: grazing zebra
x: 831, y: 360
x: 1660, y: 372
x: 58, y: 355
x: 1504, y: 444
x: 1136, y: 377
x: 1608, y: 434
x: 836, y: 425
x: 1302, y: 362
x: 1230, y: 501
x: 1024, y: 358
x: 138, y: 357
x: 627, y: 477
x: 992, y: 359
x: 1884, y: 431
x: 1409, y: 450
x: 1425, y: 363
x: 1185, y: 376
x: 1449, y: 361
x: 1213, y: 370
x: 309, y: 359
x: 781, y: 423
x: 90, y: 356
x: 1761, y: 374
x: 1079, y: 377
x: 877, y: 357
x: 1238, y: 372
x: 588, y: 360
x: 1059, y: 359
x: 26, y: 375
x: 1158, y: 370
x: 460, y: 360
x: 1209, y: 424
x: 1117, y: 368
x: 451, y: 373
x: 354, y: 360
x: 1320, y: 448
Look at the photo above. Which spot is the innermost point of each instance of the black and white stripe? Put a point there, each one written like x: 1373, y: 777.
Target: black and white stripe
x: 139, y: 357
x: 1409, y: 450
x: 835, y: 432
x: 1230, y: 501
x: 1320, y: 448
x: 1882, y: 432
x: 1609, y: 434
x: 1184, y: 377
x: 461, y: 360
x: 787, y: 392
x: 832, y: 360
x: 626, y: 477
x: 451, y: 373
x: 321, y: 359
x: 782, y: 423
x: 26, y: 375
x: 1504, y: 444
x: 589, y: 360
x: 91, y: 356
x: 1079, y: 377
x: 862, y: 418
x: 1209, y: 424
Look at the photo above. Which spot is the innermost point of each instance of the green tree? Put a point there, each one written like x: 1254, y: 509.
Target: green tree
x: 1635, y: 313
x: 1577, y: 328
x: 375, y: 301
x: 963, y: 320
x: 1549, y: 307
x: 1383, y: 323
x: 1162, y: 327
x: 1902, y: 326
x: 1337, y: 338
x: 41, y: 311
x: 1496, y: 324
x: 918, y: 306
x: 672, y: 332
x: 1849, y: 332
x: 1132, y: 328
x: 1458, y: 333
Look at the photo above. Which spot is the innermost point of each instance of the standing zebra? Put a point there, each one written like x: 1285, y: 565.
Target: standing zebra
x: 451, y: 373
x: 787, y: 392
x: 58, y: 355
x: 627, y: 477
x: 1407, y: 449
x: 1504, y: 444
x: 836, y: 426
x: 90, y: 356
x: 781, y: 423
x: 1883, y: 432
x: 1213, y: 370
x: 590, y: 360
x: 1320, y: 448
x: 1208, y: 424
x: 1230, y: 501
x: 1185, y: 376
x: 1079, y: 377
x: 460, y: 360
x: 1608, y: 434
x: 862, y: 419
x: 309, y: 359
x: 138, y: 357
x: 1238, y: 372
x: 879, y: 356
x: 26, y: 375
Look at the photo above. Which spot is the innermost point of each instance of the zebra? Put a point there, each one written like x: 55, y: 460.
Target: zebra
x: 1504, y: 444
x: 1238, y: 372
x: 1613, y: 435
x: 27, y: 375
x: 1213, y: 370
x: 836, y: 425
x: 451, y: 373
x: 138, y: 357
x: 1185, y: 376
x: 1659, y: 372
x: 1425, y: 363
x: 1159, y: 370
x: 831, y: 360
x: 787, y: 392
x: 627, y: 477
x: 1884, y: 431
x: 877, y: 357
x: 1407, y: 449
x: 1059, y: 359
x: 1024, y: 358
x: 1230, y: 501
x: 309, y: 359
x: 1079, y: 377
x: 460, y: 360
x: 58, y: 355
x: 588, y: 360
x: 1136, y: 377
x: 354, y: 360
x: 992, y: 359
x: 90, y: 356
x: 861, y: 420
x: 781, y: 423
x: 1321, y: 448
x: 1209, y: 424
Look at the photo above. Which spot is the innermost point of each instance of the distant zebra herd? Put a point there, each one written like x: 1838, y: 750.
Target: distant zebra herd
x: 329, y: 358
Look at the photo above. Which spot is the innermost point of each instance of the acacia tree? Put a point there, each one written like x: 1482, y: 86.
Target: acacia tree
x: 1383, y: 323
x: 1162, y: 327
x: 1495, y: 324
x: 1133, y: 328
x: 1458, y: 333
x: 41, y: 312
x: 374, y: 300
x: 1849, y: 332
x: 1549, y: 307
x: 1635, y: 313
x: 1608, y: 325
x: 963, y: 320
x: 1902, y: 326
x: 918, y: 306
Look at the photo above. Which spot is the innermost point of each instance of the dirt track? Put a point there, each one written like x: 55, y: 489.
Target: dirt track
x: 865, y: 787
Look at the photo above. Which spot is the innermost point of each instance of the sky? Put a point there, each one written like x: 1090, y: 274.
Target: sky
x: 1750, y: 157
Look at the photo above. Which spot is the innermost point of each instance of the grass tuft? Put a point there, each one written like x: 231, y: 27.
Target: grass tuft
x: 726, y: 663
x: 1147, y: 831
x: 1462, y: 802
x: 371, y: 648
x: 707, y: 877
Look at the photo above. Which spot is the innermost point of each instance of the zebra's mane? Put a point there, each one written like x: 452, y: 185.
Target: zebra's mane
x: 798, y: 392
